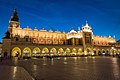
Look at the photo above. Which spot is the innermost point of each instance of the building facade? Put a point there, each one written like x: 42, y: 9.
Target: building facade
x: 21, y: 42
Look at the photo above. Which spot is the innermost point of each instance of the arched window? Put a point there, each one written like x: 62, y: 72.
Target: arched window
x: 26, y: 38
x: 16, y: 37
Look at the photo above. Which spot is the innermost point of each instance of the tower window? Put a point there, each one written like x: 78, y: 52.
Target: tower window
x: 26, y: 39
x: 16, y: 39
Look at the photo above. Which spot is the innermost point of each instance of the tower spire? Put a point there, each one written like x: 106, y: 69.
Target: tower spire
x: 72, y: 28
x: 15, y: 16
x: 86, y: 22
x: 78, y: 28
x: 14, y: 20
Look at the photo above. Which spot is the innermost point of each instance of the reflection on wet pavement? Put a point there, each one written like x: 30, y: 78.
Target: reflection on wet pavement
x: 70, y: 68
x: 14, y: 73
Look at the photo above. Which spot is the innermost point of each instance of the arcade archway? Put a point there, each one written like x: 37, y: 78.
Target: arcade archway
x: 119, y: 51
x: 95, y: 51
x: 60, y: 51
x: 16, y: 52
x: 45, y: 51
x: 79, y: 51
x: 74, y: 51
x: 67, y: 51
x: 26, y: 52
x: 111, y: 52
x: 53, y: 51
x: 103, y: 52
x: 99, y: 52
x: 36, y: 52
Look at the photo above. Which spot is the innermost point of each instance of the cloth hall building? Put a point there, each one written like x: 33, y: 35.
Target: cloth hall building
x: 22, y: 42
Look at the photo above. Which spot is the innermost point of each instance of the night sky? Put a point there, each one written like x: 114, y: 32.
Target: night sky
x: 102, y: 15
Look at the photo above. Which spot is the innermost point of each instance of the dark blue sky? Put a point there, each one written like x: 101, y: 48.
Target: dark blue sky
x: 102, y: 15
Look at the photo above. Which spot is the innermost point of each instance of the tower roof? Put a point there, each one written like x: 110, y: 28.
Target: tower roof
x: 15, y: 16
x: 78, y: 28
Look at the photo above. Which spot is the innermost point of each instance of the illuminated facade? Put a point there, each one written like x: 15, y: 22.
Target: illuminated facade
x: 27, y: 42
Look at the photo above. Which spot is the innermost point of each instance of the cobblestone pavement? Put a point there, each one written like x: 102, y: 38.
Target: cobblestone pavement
x: 71, y: 68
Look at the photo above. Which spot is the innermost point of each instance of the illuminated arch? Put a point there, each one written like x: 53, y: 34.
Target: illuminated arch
x: 115, y: 51
x: 36, y: 51
x: 94, y: 51
x: 74, y: 50
x: 103, y: 51
x: 88, y: 50
x: 53, y: 50
x: 67, y: 51
x: 99, y: 52
x: 111, y: 51
x: 16, y: 52
x: 119, y: 50
x: 60, y: 50
x: 45, y: 50
x: 27, y: 52
x: 107, y: 50
x: 79, y: 50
